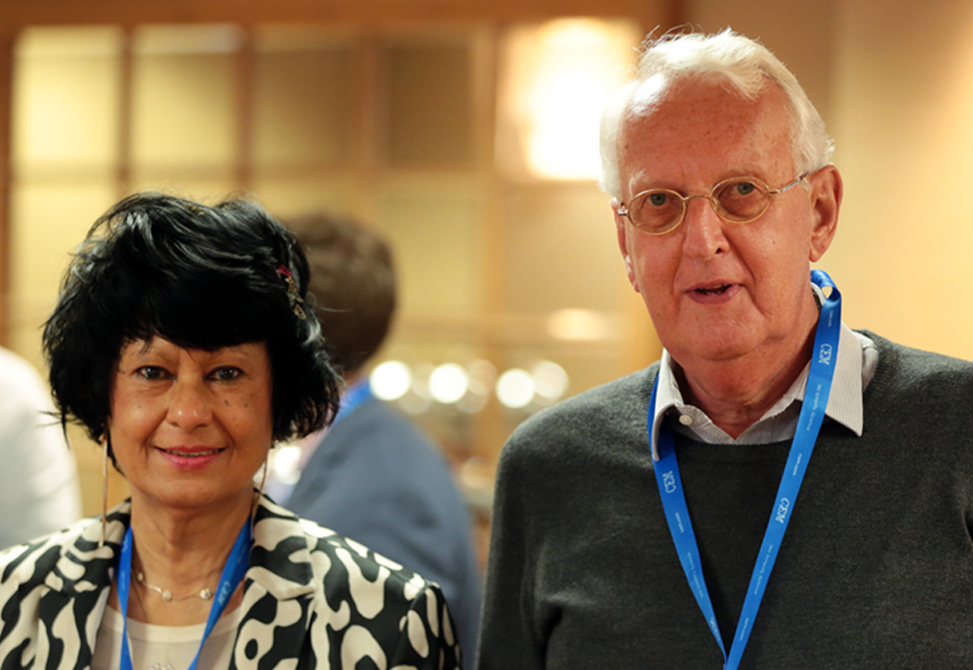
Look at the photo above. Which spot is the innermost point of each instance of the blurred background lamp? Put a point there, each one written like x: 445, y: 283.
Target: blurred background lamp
x: 515, y: 388
x: 550, y: 381
x: 448, y: 383
x: 390, y: 380
x: 559, y: 78
x: 574, y: 324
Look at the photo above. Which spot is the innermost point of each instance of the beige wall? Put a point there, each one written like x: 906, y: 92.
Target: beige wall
x: 894, y: 81
x: 904, y: 123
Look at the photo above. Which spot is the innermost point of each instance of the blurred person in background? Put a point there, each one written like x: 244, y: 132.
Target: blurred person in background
x: 39, y: 490
x: 372, y: 475
x: 642, y: 524
x: 184, y: 341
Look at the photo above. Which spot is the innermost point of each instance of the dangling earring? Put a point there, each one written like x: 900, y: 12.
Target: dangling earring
x: 104, y: 488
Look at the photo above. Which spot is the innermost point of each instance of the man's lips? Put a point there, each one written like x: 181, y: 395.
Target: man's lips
x: 716, y: 288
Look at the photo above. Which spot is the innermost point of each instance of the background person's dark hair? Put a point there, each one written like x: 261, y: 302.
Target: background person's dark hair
x: 353, y: 282
x: 203, y: 278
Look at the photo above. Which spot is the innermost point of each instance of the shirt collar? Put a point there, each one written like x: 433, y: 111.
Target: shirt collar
x: 844, y: 404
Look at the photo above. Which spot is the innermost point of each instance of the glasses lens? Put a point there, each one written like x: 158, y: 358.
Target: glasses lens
x: 657, y: 210
x: 742, y: 199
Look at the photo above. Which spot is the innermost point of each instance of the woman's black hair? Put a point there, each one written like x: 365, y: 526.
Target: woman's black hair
x: 201, y: 277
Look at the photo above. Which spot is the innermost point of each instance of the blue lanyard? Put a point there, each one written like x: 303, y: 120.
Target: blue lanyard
x: 820, y: 376
x: 357, y: 395
x: 233, y: 571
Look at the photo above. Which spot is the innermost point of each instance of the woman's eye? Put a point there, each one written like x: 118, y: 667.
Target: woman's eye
x: 227, y: 374
x: 151, y: 372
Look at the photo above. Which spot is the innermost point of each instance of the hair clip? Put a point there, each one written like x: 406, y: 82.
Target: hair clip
x: 297, y: 303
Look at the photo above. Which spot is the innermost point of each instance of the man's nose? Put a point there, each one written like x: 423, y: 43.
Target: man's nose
x: 703, y: 228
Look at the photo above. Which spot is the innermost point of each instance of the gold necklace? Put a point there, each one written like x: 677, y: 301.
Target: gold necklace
x: 166, y: 594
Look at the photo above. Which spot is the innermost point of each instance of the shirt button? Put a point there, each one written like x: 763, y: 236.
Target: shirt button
x: 685, y: 419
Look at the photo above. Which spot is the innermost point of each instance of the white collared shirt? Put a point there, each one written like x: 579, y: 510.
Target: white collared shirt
x: 854, y: 369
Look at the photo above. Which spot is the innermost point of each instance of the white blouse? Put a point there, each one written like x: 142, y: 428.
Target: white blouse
x: 164, y: 647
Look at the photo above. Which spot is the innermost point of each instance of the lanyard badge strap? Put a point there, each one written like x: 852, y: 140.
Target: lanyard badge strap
x: 817, y: 391
x: 233, y: 571
x: 354, y: 397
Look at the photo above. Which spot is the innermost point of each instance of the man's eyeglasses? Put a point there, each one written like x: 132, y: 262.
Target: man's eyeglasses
x: 738, y: 200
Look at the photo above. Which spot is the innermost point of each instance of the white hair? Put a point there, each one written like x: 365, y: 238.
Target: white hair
x: 744, y: 64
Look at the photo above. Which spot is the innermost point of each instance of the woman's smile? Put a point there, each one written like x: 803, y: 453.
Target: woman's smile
x: 190, y: 458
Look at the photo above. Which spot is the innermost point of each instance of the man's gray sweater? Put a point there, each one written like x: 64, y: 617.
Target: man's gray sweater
x: 876, y: 569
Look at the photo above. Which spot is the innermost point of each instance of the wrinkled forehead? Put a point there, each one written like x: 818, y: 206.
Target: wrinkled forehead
x: 705, y: 120
x: 709, y: 96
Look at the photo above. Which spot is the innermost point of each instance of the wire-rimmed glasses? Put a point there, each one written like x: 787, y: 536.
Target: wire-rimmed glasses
x: 737, y: 200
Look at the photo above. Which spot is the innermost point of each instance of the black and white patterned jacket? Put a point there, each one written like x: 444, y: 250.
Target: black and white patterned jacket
x: 311, y: 599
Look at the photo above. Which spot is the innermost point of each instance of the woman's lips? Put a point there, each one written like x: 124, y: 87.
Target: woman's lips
x: 190, y: 458
x: 190, y: 453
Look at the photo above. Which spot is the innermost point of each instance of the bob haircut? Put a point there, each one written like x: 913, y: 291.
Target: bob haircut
x: 201, y: 277
x: 745, y: 65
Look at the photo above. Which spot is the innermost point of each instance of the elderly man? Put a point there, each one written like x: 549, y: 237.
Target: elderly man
x: 655, y: 522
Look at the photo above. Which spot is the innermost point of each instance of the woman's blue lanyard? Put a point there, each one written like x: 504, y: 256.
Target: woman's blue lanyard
x: 820, y: 376
x: 233, y: 571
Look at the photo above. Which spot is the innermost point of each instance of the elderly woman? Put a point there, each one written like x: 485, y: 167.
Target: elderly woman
x: 184, y: 341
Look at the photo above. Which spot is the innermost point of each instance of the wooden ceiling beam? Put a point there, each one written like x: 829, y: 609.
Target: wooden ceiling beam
x: 369, y: 12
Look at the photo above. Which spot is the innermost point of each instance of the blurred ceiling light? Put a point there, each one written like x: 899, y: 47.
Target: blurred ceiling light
x: 560, y: 76
x: 420, y: 380
x: 484, y: 372
x: 390, y: 380
x: 416, y: 400
x: 475, y: 398
x: 578, y: 325
x: 515, y: 388
x: 448, y: 383
x: 550, y: 381
x: 413, y: 403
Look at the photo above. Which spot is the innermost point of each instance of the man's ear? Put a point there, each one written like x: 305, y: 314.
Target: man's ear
x: 826, y: 192
x: 621, y: 231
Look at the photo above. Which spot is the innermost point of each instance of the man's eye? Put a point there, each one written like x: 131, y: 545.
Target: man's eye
x: 226, y: 374
x: 658, y: 199
x: 745, y: 188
